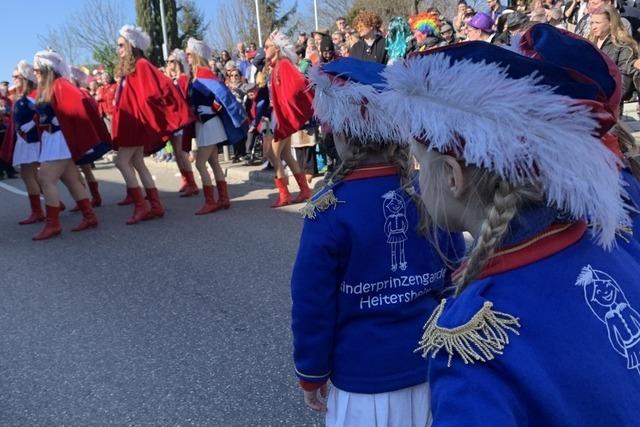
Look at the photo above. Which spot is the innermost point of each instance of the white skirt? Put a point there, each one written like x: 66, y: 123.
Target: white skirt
x: 408, y: 407
x: 25, y: 153
x: 210, y: 133
x: 54, y: 147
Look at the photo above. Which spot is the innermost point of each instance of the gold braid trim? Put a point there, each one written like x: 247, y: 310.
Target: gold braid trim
x: 480, y: 339
x: 321, y: 204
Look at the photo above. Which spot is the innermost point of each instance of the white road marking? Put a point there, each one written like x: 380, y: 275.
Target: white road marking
x: 13, y: 189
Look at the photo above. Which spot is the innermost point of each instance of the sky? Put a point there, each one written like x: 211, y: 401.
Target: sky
x: 24, y: 20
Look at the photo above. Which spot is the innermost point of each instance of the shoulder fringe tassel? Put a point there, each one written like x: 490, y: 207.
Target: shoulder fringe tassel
x: 625, y: 232
x: 321, y: 204
x: 480, y: 339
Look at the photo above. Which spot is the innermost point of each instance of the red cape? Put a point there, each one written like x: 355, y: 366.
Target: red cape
x: 291, y: 99
x: 149, y: 109
x: 9, y: 142
x: 80, y: 121
x: 189, y: 131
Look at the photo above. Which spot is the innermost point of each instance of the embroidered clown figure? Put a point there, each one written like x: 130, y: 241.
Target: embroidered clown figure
x: 609, y: 304
x: 395, y: 227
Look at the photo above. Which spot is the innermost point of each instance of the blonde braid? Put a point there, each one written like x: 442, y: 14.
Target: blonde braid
x: 501, y: 212
x: 402, y: 159
x: 346, y: 167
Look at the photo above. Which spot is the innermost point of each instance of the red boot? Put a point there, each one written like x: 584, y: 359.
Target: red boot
x: 305, y: 191
x: 191, y: 188
x: 89, y: 219
x: 210, y: 204
x: 36, y: 211
x: 141, y: 206
x: 96, y: 199
x: 223, y: 195
x: 52, y: 225
x: 127, y: 200
x: 75, y: 209
x: 157, y: 210
x: 284, y: 197
x: 62, y: 206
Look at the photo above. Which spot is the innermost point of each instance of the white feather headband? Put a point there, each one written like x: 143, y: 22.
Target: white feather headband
x: 517, y: 128
x: 284, y: 43
x: 26, y: 70
x: 51, y: 60
x: 180, y: 56
x: 199, y: 47
x: 136, y: 36
x: 351, y: 108
x: 79, y: 76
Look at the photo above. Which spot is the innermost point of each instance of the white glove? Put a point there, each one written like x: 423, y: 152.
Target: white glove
x: 55, y: 121
x: 203, y: 110
x: 27, y: 126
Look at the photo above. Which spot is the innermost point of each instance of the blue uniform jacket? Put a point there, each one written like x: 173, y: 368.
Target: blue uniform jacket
x: 363, y: 284
x: 205, y: 91
x: 24, y: 111
x: 576, y: 360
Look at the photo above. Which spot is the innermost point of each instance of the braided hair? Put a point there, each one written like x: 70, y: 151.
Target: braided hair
x: 398, y: 155
x: 629, y: 148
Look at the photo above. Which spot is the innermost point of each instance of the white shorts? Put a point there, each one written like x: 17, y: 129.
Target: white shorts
x: 210, y: 133
x: 54, y: 147
x: 25, y: 153
x: 408, y: 407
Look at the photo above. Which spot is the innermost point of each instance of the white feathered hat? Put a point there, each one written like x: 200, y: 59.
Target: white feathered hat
x: 180, y: 56
x: 26, y: 70
x: 285, y: 45
x: 79, y: 76
x: 51, y: 60
x: 527, y: 120
x: 347, y: 98
x: 199, y: 47
x: 136, y: 36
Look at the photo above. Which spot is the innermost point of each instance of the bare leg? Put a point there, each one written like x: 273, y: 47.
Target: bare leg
x: 48, y: 176
x: 137, y: 161
x: 29, y: 174
x: 124, y: 165
x: 182, y: 158
x: 274, y: 158
x: 73, y: 181
x: 287, y: 156
x: 202, y: 157
x: 214, y: 161
x: 88, y: 173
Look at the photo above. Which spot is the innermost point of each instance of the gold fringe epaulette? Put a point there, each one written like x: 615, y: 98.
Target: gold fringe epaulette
x: 480, y: 339
x: 321, y: 204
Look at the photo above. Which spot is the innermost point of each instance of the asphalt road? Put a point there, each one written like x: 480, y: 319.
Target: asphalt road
x: 173, y: 322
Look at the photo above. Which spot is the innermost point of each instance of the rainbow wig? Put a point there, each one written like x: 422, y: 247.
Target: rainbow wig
x: 397, y: 38
x: 427, y: 23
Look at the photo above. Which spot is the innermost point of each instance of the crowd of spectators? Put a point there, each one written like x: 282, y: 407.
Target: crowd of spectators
x: 611, y: 27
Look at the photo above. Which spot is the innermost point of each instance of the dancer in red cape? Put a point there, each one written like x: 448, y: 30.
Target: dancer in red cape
x: 149, y: 110
x: 177, y: 69
x: 72, y: 131
x: 291, y: 101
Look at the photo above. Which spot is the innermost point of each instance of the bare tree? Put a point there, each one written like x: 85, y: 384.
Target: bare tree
x: 330, y: 10
x: 62, y: 41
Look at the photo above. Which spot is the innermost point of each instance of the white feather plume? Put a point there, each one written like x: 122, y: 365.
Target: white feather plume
x: 199, y: 47
x: 284, y: 43
x: 351, y: 108
x: 52, y: 60
x: 517, y: 128
x: 26, y: 70
x: 136, y: 36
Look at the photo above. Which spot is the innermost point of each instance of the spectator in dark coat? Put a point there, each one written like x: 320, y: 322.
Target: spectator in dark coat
x: 371, y: 46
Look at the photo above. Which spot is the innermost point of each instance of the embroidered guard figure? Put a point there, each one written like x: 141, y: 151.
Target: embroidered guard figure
x: 607, y: 301
x: 395, y: 227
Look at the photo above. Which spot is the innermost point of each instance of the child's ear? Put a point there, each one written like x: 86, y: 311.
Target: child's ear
x: 454, y: 176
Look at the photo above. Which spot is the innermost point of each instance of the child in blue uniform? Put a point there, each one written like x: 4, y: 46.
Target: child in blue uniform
x: 544, y: 330
x: 361, y: 285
